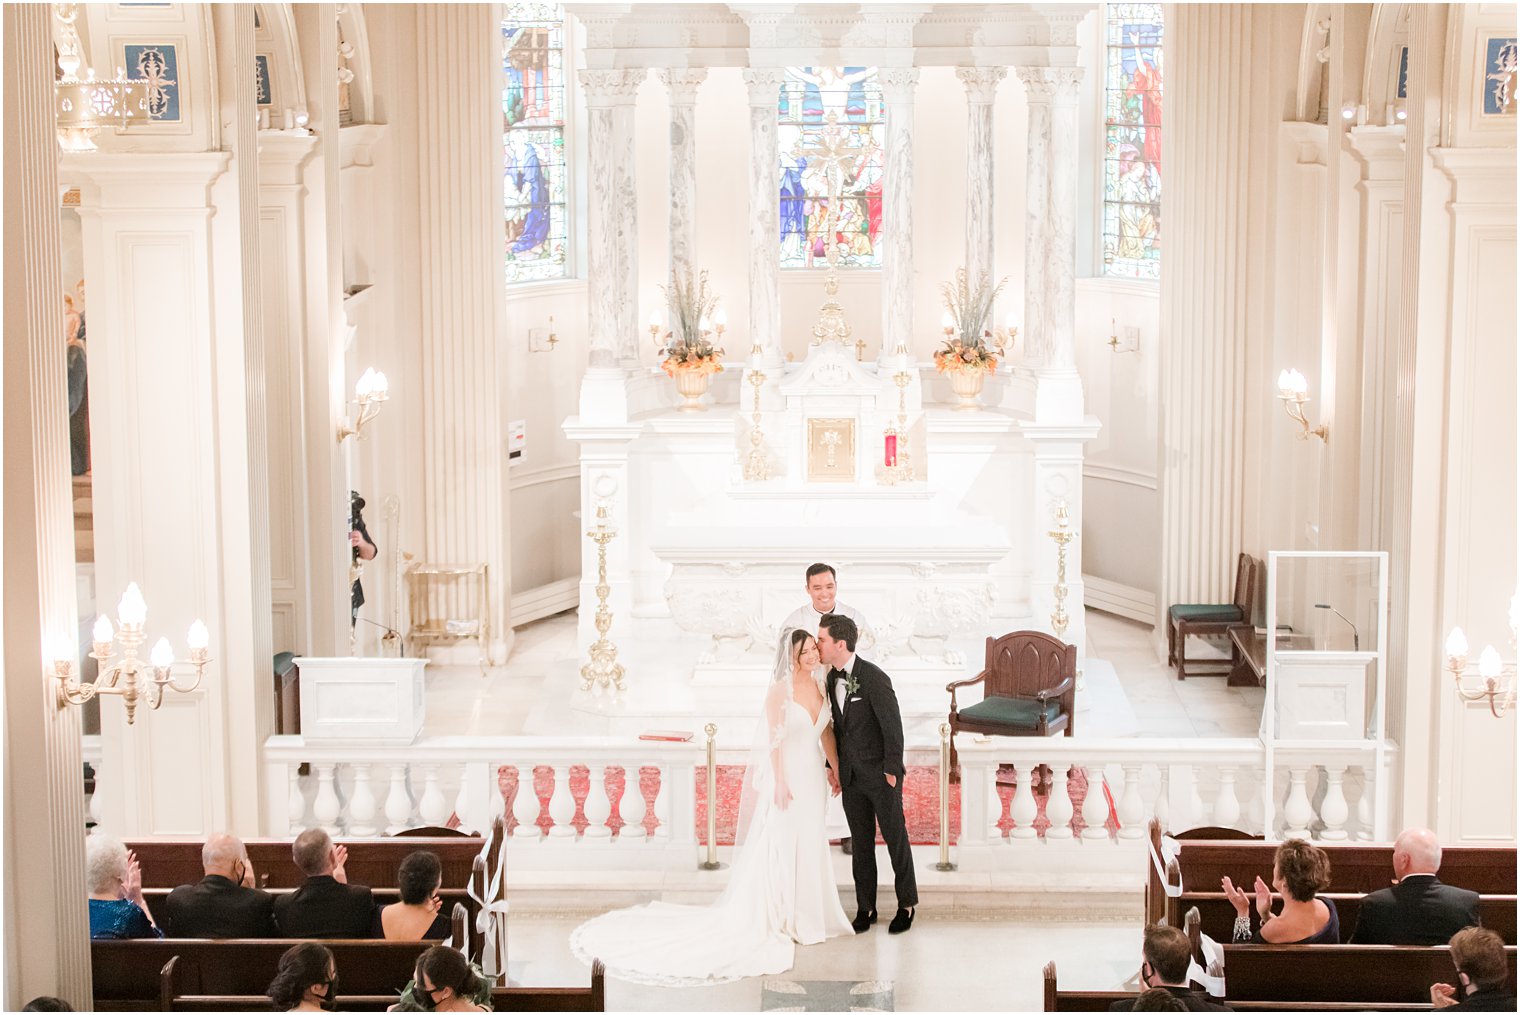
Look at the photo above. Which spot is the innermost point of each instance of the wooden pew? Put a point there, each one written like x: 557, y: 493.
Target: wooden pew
x: 155, y: 897
x: 374, y: 862
x: 1218, y: 916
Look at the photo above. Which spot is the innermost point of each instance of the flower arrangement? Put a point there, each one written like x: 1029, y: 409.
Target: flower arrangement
x: 968, y: 309
x: 694, y: 322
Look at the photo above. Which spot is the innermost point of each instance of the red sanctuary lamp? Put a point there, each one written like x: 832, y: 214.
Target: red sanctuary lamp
x: 891, y: 448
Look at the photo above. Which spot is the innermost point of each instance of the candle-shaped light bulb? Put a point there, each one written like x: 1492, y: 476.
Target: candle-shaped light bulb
x: 365, y: 386
x: 132, y: 611
x: 1489, y: 665
x: 103, y: 633
x: 63, y: 648
x: 198, y: 638
x: 1456, y: 644
x: 720, y: 318
x: 381, y: 388
x: 654, y: 321
x: 1011, y: 322
x: 162, y: 656
x: 947, y: 322
x: 1284, y: 383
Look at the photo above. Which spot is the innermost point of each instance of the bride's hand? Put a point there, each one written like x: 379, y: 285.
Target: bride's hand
x: 783, y: 796
x: 833, y: 783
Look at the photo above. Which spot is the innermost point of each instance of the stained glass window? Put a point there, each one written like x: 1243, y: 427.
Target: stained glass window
x: 1132, y: 141
x: 831, y: 129
x: 533, y: 114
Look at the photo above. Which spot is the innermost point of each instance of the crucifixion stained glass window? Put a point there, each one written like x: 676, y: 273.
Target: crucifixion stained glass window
x: 1132, y: 141
x: 533, y: 115
x: 831, y: 128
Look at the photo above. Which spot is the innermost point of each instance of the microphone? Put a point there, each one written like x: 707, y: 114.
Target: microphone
x: 1356, y: 638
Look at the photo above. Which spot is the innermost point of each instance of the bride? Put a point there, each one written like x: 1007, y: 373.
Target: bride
x: 781, y: 891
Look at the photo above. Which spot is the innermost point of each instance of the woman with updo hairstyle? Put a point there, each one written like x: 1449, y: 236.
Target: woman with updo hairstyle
x: 1300, y: 871
x: 305, y: 980
x: 418, y: 916
x: 445, y: 979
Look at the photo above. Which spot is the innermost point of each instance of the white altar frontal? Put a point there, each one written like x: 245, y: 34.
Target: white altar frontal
x: 705, y: 563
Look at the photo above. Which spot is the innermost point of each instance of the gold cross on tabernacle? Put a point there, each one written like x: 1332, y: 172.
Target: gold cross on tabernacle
x: 831, y: 440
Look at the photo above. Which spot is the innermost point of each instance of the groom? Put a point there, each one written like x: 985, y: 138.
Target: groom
x: 868, y: 729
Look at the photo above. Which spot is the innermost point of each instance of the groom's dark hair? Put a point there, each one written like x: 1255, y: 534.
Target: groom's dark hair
x: 840, y: 628
x: 819, y: 569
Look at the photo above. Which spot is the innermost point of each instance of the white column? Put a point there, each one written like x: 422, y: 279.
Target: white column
x: 465, y: 481
x: 683, y: 85
x: 47, y: 949
x: 1061, y: 226
x: 1210, y: 293
x: 981, y: 88
x: 897, y: 86
x: 1039, y: 84
x: 764, y: 213
x: 612, y: 236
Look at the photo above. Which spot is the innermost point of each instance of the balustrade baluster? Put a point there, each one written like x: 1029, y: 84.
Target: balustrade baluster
x: 597, y: 806
x: 398, y: 802
x: 1058, y: 806
x: 661, y: 804
x: 1226, y: 803
x: 1024, y: 809
x: 1297, y: 812
x: 327, y: 809
x: 1333, y: 810
x: 1253, y: 816
x: 631, y: 806
x: 433, y: 808
x: 362, y: 807
x: 462, y: 810
x: 1163, y: 808
x: 1094, y: 805
x: 1196, y: 810
x: 1131, y: 806
x: 995, y: 805
x: 525, y: 805
x: 1364, y: 807
x: 297, y: 801
x: 562, y: 804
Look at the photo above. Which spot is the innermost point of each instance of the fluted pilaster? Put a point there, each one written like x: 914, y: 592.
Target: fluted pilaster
x: 464, y: 464
x: 47, y: 951
x: 683, y: 85
x: 1061, y: 222
x: 1209, y: 291
x: 764, y: 212
x: 612, y: 225
x: 1039, y: 85
x: 981, y: 88
x: 897, y: 86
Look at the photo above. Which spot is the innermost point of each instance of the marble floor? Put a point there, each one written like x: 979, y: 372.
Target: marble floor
x: 462, y: 702
x: 953, y: 962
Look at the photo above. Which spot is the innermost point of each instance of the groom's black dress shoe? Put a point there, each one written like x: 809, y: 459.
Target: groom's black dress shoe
x: 846, y: 846
x: 901, y: 922
x: 863, y: 921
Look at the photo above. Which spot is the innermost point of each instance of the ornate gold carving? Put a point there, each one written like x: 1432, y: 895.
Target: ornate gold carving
x: 831, y: 450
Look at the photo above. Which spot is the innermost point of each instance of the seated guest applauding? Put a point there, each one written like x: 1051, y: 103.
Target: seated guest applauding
x: 1299, y: 872
x: 1482, y: 971
x: 224, y: 903
x: 416, y: 916
x: 325, y: 905
x: 1418, y: 909
x: 1163, y: 970
x: 114, y: 878
x: 305, y: 980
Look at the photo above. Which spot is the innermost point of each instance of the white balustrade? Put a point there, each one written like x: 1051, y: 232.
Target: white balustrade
x: 1024, y: 809
x: 1333, y: 810
x: 1226, y: 803
x: 561, y: 804
x: 1058, y: 809
x: 398, y: 802
x: 1094, y: 805
x: 597, y: 807
x: 1364, y: 826
x: 433, y: 808
x: 327, y: 808
x: 526, y: 806
x: 1297, y: 811
x: 1131, y: 806
x: 362, y: 807
x: 633, y: 809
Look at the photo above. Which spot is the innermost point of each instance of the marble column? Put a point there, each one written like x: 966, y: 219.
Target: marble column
x: 683, y: 85
x: 1061, y: 228
x: 1210, y: 294
x: 611, y: 234
x: 764, y: 212
x: 897, y: 87
x: 981, y: 88
x: 1039, y: 85
x: 464, y: 466
x: 47, y: 948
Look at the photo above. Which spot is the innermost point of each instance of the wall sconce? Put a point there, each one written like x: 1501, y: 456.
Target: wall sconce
x: 129, y: 678
x: 369, y: 392
x: 1131, y: 341
x: 1498, y: 681
x: 1293, y: 389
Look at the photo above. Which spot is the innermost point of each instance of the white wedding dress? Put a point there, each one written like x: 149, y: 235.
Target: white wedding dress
x: 781, y: 892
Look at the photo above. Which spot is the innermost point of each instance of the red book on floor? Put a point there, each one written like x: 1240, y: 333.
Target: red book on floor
x: 672, y: 736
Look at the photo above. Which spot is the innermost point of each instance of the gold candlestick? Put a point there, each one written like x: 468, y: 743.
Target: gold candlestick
x: 757, y: 465
x: 901, y: 470
x: 1062, y: 534
x: 603, y: 671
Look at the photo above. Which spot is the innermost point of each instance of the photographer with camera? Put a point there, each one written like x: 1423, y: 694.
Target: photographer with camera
x: 363, y: 549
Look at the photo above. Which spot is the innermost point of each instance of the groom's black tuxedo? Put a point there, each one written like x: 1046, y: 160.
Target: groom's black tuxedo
x: 869, y: 733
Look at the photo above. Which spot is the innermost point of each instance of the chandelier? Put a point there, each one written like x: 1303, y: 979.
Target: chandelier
x: 85, y: 106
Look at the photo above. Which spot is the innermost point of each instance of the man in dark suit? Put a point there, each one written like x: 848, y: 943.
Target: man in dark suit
x: 1418, y: 909
x: 224, y: 903
x: 1166, y: 957
x: 1482, y: 972
x: 868, y: 729
x: 325, y: 905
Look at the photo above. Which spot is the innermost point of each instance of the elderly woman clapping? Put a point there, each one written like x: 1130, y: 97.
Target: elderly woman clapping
x: 115, y: 881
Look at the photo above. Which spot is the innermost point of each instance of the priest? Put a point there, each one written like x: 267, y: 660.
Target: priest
x: 822, y: 587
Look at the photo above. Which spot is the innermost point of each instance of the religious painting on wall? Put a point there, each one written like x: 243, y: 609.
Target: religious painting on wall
x: 1500, y: 67
x: 533, y: 112
x: 831, y: 128
x: 1132, y: 142
x: 830, y: 450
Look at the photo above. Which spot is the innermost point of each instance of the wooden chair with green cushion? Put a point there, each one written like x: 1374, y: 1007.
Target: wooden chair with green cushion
x: 1029, y: 689
x: 1200, y: 619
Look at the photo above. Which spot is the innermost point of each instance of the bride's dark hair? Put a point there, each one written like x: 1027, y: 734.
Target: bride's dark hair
x: 799, y: 636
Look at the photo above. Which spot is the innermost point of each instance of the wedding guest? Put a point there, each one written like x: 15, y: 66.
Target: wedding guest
x: 1158, y: 999
x: 1482, y: 974
x: 416, y: 917
x: 225, y: 902
x: 325, y: 905
x: 445, y: 978
x: 305, y: 980
x: 45, y: 1003
x: 1166, y: 955
x: 114, y: 878
x: 1418, y: 909
x: 1299, y: 872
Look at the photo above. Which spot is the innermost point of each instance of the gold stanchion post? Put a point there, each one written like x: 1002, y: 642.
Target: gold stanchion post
x: 1062, y: 534
x: 711, y: 863
x: 944, y: 799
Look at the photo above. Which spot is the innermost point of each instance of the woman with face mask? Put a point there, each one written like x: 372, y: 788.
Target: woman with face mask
x: 306, y: 980
x: 445, y: 981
